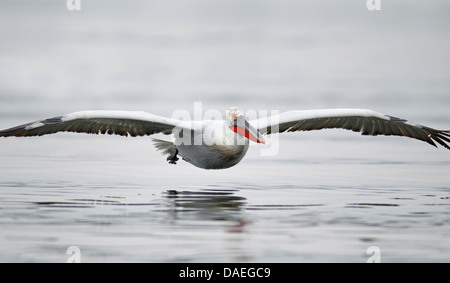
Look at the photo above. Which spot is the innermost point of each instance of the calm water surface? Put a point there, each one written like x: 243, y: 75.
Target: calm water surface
x: 134, y: 207
x: 324, y: 197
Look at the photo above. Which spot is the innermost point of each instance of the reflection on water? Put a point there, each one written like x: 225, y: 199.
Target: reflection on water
x: 209, y: 204
x: 206, y: 204
x: 86, y: 203
x: 253, y: 223
x: 202, y: 204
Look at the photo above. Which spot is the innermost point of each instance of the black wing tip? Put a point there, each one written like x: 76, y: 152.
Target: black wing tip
x: 433, y: 135
x: 26, y: 130
x: 439, y: 136
x: 14, y: 131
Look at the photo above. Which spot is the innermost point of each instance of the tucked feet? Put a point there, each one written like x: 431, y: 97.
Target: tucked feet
x: 173, y: 157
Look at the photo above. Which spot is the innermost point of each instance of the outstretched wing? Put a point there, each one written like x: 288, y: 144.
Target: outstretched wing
x: 367, y: 122
x: 124, y: 123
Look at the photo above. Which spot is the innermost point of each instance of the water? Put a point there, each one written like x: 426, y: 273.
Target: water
x: 324, y: 197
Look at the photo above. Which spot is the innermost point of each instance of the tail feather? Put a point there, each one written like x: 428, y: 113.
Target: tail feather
x: 165, y: 147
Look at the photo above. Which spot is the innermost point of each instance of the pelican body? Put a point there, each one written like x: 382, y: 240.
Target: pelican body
x: 220, y: 144
x: 212, y: 144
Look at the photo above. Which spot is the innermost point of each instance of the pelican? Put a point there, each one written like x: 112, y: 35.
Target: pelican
x: 220, y: 144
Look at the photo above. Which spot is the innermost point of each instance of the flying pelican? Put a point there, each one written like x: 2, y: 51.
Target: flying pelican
x: 230, y: 141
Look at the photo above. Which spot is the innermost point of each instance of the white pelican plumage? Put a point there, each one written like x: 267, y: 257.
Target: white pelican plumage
x: 230, y: 138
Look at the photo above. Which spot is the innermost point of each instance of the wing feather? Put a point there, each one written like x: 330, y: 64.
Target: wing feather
x: 367, y: 122
x: 124, y: 123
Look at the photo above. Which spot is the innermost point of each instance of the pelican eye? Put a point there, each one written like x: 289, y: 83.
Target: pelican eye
x: 234, y: 115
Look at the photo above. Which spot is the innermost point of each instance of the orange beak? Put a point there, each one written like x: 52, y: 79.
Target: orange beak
x: 243, y: 127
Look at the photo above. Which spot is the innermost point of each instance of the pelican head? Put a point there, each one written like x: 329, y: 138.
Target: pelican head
x: 237, y: 122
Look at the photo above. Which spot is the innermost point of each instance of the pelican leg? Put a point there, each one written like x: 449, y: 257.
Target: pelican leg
x: 173, y: 157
